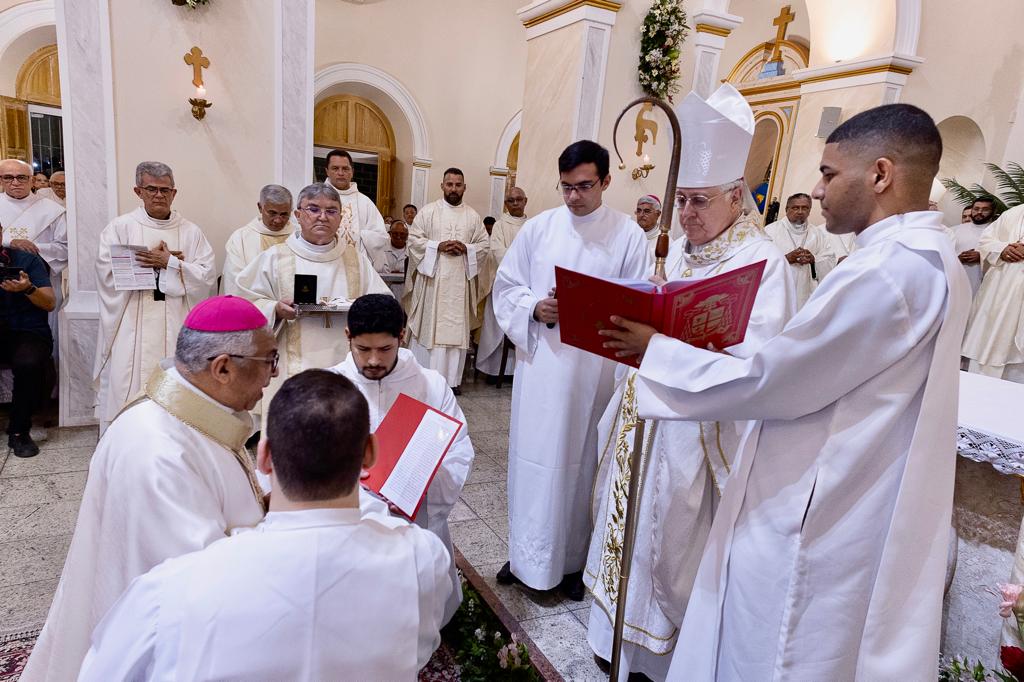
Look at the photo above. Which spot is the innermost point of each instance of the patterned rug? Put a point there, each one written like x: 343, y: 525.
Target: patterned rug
x: 14, y: 651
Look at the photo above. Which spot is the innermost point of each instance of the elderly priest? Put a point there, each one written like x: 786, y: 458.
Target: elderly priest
x: 272, y: 226
x: 169, y: 476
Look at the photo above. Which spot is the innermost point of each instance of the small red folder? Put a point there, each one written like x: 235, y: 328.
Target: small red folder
x: 394, y: 436
x: 715, y: 310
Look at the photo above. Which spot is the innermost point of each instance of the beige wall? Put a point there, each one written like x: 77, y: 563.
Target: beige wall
x: 464, y: 62
x: 221, y: 162
x: 757, y: 28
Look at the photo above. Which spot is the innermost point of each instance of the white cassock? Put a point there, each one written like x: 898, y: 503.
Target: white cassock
x: 391, y: 261
x: 827, y: 556
x: 685, y: 468
x: 492, y: 338
x: 994, y: 342
x: 652, y: 237
x: 361, y: 222
x: 429, y: 387
x: 307, y: 342
x: 842, y: 245
x: 789, y: 237
x: 244, y: 245
x: 136, y: 332
x: 318, y: 594
x: 966, y: 237
x: 444, y: 292
x: 48, y: 193
x: 157, y: 488
x: 560, y: 392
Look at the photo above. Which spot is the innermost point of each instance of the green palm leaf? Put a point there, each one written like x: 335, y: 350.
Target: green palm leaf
x: 1012, y: 191
x: 961, y: 194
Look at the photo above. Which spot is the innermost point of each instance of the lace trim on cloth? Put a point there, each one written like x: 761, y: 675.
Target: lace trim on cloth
x: 1006, y: 456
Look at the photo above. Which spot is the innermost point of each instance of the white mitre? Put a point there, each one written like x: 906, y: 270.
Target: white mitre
x: 716, y: 137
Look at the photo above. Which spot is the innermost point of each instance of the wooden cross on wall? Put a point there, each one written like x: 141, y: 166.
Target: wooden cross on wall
x: 198, y: 62
x: 782, y: 21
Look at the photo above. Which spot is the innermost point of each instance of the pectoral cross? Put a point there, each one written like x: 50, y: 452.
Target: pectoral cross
x: 198, y: 62
x: 782, y: 21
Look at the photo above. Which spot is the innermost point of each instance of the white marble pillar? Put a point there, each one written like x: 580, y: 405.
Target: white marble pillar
x: 712, y: 28
x: 499, y: 177
x: 293, y: 116
x: 420, y: 178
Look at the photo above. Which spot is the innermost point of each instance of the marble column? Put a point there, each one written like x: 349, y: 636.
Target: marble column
x: 295, y: 40
x: 712, y: 27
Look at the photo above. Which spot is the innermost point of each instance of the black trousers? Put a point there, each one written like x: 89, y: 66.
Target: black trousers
x: 29, y: 355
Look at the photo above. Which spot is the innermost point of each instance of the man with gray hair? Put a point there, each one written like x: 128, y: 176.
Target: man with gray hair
x: 138, y: 328
x: 271, y: 227
x: 170, y: 476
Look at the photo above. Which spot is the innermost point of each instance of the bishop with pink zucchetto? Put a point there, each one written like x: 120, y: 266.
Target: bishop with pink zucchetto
x: 170, y: 475
x: 648, y: 216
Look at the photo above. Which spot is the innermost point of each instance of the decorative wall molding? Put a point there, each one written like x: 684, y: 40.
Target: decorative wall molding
x: 20, y: 19
x: 891, y: 70
x: 545, y: 16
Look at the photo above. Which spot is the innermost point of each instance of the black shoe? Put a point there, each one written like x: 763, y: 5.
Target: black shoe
x: 23, y: 445
x: 572, y: 586
x: 603, y: 665
x: 456, y: 390
x: 506, y: 576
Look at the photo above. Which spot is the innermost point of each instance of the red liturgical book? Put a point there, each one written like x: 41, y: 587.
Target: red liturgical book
x: 412, y: 440
x: 715, y: 310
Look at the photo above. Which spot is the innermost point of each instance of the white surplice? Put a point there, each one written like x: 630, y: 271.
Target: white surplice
x: 827, y: 556
x: 136, y: 332
x: 966, y: 238
x: 48, y: 193
x: 560, y: 392
x: 361, y: 222
x: 391, y: 261
x: 443, y: 289
x: 492, y: 338
x: 429, y: 387
x: 789, y: 237
x: 313, y: 341
x: 157, y: 488
x: 244, y: 245
x: 686, y: 465
x: 842, y: 245
x: 319, y: 594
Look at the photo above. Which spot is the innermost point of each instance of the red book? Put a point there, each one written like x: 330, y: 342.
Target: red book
x: 715, y: 310
x: 412, y: 440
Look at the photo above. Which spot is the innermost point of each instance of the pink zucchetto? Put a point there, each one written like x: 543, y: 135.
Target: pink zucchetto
x: 225, y: 314
x: 652, y: 200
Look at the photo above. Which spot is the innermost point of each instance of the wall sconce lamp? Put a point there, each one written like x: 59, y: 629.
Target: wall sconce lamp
x: 198, y: 62
x: 644, y: 170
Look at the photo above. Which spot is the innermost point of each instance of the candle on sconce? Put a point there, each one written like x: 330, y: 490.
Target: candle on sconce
x: 200, y: 92
x: 647, y: 159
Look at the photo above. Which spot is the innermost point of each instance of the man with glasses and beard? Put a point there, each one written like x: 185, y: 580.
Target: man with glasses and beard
x: 968, y: 234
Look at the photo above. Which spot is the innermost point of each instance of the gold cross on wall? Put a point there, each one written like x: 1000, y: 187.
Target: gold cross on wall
x: 198, y: 62
x: 782, y: 21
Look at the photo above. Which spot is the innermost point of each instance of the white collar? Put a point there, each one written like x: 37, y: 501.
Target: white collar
x: 309, y: 518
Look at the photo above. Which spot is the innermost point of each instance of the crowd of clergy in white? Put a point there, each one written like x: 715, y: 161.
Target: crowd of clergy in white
x: 797, y: 488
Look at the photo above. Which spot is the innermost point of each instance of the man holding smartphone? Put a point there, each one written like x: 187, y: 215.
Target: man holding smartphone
x: 25, y: 339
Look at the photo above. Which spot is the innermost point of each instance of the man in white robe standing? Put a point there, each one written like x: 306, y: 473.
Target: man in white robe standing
x: 968, y: 234
x: 315, y: 592
x: 381, y: 369
x: 447, y: 248
x: 361, y: 221
x: 686, y: 463
x: 57, y: 191
x: 994, y: 342
x: 806, y: 247
x: 394, y: 257
x: 648, y: 217
x: 560, y: 392
x: 271, y: 227
x: 171, y: 475
x: 492, y: 338
x: 343, y: 273
x: 139, y: 328
x: 827, y: 556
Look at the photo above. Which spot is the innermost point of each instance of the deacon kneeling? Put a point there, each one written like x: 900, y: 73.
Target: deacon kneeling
x: 169, y: 476
x: 315, y: 592
x: 382, y: 370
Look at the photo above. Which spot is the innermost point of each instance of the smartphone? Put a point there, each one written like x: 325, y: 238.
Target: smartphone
x: 7, y: 273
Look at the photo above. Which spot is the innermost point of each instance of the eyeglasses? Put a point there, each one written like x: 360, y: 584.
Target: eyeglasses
x: 646, y: 211
x: 315, y: 211
x: 157, y: 191
x: 56, y: 184
x: 15, y: 178
x: 698, y: 201
x: 580, y: 187
x: 272, y: 360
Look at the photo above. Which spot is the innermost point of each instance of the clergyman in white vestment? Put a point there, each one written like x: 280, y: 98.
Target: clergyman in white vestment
x: 394, y: 257
x: 447, y: 248
x: 57, y: 191
x: 170, y: 475
x: 648, y: 217
x: 361, y: 221
x: 382, y: 370
x: 271, y: 227
x: 560, y: 392
x: 139, y: 328
x: 492, y: 338
x: 968, y: 234
x: 846, y: 481
x: 315, y: 592
x: 806, y: 247
x: 686, y: 463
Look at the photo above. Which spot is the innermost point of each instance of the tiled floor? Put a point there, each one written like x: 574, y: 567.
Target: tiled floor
x: 39, y: 500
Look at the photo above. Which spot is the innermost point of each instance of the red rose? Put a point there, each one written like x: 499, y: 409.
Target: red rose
x: 1012, y: 659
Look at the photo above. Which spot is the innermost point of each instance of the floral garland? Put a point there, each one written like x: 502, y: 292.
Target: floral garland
x: 660, y: 41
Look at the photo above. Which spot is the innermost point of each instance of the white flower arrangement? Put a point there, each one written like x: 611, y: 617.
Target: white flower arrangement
x: 661, y: 39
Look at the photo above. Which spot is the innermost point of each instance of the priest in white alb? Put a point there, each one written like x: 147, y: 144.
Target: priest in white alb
x: 271, y: 227
x: 382, y: 370
x: 686, y: 463
x: 170, y: 476
x: 361, y: 221
x: 342, y: 272
x: 492, y: 338
x: 139, y: 328
x: 994, y: 342
x: 807, y: 248
x: 560, y: 392
x: 968, y: 234
x: 827, y: 555
x: 447, y: 248
x: 57, y: 191
x: 648, y: 216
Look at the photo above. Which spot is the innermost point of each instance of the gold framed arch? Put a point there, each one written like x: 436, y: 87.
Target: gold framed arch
x: 38, y: 78
x: 794, y: 56
x: 512, y: 162
x: 357, y: 124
